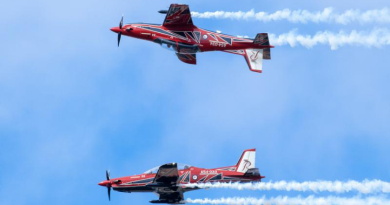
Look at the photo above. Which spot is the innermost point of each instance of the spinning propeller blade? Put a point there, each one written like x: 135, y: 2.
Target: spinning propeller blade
x: 107, y: 175
x: 109, y: 193
x: 108, y: 185
x: 120, y: 33
x: 121, y: 23
x: 119, y: 38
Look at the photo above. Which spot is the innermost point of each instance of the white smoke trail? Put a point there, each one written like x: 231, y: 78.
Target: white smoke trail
x: 365, y: 187
x: 328, y: 15
x: 375, y: 38
x: 311, y: 200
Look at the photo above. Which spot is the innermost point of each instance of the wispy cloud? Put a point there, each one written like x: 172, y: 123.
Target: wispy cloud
x: 328, y: 15
x: 375, y: 38
x: 311, y: 200
x: 364, y: 187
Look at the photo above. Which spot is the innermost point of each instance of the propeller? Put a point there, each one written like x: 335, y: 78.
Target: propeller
x: 109, y: 193
x: 120, y: 33
x: 108, y: 174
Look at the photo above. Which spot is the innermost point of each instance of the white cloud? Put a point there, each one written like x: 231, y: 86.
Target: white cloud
x: 311, y: 200
x: 365, y: 187
x: 375, y: 38
x: 328, y: 15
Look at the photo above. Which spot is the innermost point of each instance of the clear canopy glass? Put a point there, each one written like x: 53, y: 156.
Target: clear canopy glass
x: 179, y: 167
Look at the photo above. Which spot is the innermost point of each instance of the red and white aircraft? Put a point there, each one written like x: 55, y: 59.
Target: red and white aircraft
x: 168, y: 180
x: 179, y: 34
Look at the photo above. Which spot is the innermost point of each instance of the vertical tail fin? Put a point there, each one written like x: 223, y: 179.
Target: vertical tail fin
x: 247, y: 161
x: 254, y: 56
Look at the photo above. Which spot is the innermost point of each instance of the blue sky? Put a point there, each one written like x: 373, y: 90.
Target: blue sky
x: 73, y: 104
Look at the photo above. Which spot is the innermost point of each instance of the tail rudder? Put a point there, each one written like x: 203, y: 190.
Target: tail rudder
x: 247, y: 161
x: 254, y: 59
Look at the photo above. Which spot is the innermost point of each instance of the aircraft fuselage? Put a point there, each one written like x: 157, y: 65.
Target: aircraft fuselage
x: 189, y: 35
x: 143, y: 182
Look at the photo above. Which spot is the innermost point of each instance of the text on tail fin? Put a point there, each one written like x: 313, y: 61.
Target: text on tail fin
x: 247, y: 161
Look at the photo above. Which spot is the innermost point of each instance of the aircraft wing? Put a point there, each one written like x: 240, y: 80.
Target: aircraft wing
x: 187, y: 58
x: 167, y: 175
x: 178, y: 15
x: 164, y: 184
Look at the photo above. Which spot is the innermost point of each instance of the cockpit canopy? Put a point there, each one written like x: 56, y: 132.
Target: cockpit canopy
x: 179, y: 167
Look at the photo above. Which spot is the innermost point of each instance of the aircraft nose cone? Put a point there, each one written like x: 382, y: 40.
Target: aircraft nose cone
x: 115, y: 29
x: 104, y: 183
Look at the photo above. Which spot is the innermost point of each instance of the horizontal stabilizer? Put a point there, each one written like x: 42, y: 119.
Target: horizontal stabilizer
x: 267, y: 53
x: 252, y: 172
x: 261, y: 39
